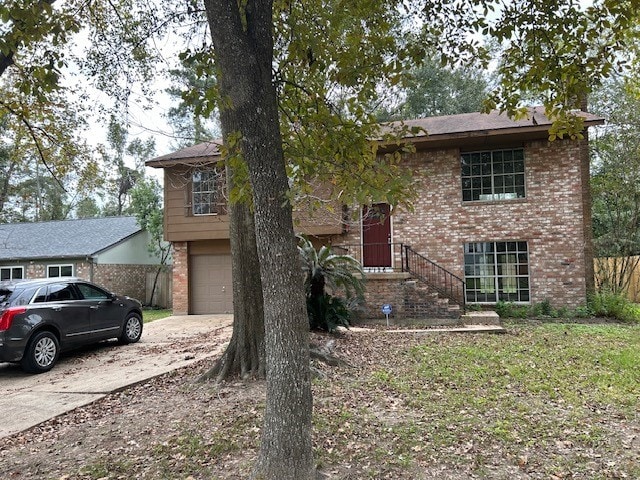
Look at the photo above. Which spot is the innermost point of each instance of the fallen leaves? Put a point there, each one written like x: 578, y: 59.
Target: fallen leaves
x: 406, y: 407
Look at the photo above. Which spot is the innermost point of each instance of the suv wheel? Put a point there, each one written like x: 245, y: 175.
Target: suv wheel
x: 41, y: 353
x: 132, y: 329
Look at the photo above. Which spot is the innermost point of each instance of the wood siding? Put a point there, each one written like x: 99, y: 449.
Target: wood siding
x: 181, y: 226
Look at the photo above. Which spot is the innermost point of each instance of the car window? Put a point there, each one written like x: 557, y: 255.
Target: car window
x: 61, y: 292
x: 41, y: 296
x: 5, y: 293
x: 89, y: 292
x: 24, y: 296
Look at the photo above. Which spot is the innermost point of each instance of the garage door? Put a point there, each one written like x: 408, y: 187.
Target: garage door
x: 211, y: 287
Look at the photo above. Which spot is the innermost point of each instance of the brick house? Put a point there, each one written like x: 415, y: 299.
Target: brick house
x: 503, y: 214
x: 109, y: 251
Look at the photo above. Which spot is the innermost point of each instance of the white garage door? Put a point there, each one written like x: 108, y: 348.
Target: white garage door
x: 211, y: 287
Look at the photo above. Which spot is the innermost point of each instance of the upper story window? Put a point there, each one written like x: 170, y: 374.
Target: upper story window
x: 59, y: 271
x: 206, y: 192
x: 11, y: 273
x: 493, y: 175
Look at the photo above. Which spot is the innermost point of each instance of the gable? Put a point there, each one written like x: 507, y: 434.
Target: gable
x: 133, y: 250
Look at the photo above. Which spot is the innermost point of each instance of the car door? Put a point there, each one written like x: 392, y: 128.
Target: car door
x: 105, y: 313
x: 57, y: 304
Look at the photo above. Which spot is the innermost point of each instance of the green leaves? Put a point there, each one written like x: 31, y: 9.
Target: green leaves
x: 556, y: 53
x: 615, y: 181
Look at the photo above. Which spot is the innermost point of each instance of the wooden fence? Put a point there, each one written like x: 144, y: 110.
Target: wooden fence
x: 619, y: 274
x: 162, y: 297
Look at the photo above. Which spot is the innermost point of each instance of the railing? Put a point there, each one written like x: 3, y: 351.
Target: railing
x: 443, y: 281
x: 398, y: 257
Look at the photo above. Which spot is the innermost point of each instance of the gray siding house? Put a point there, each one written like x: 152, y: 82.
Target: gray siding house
x: 109, y: 251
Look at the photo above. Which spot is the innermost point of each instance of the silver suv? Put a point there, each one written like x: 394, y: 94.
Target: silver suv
x: 41, y: 318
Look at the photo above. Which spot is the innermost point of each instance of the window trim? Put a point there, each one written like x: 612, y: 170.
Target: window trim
x: 497, y: 277
x: 60, y: 266
x: 11, y: 268
x: 214, y: 207
x: 496, y: 196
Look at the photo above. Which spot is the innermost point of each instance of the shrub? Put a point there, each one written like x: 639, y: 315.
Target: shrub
x: 322, y: 268
x: 511, y: 310
x: 328, y: 313
x: 543, y: 309
x: 614, y: 305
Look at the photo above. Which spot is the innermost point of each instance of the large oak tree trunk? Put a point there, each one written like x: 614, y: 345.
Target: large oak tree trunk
x: 243, y: 45
x: 244, y: 355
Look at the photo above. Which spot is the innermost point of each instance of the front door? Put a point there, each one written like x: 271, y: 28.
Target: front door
x: 376, y: 236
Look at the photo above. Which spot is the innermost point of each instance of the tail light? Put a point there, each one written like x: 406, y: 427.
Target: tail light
x: 7, y: 316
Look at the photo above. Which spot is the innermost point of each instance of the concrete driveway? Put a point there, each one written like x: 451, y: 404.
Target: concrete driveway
x: 83, y: 376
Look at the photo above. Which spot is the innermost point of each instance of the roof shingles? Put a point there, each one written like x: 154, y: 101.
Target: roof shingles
x: 474, y: 124
x: 64, y: 239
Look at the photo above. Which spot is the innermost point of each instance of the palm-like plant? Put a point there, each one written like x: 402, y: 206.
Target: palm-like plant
x: 324, y: 270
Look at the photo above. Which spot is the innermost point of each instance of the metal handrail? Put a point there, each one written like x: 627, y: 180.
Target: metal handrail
x: 440, y: 279
x: 406, y: 259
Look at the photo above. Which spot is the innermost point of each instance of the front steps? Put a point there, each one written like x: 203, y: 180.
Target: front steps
x: 482, y: 317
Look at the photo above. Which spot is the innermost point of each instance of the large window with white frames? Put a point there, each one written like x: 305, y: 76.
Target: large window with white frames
x: 496, y: 271
x: 54, y: 271
x: 11, y: 273
x: 493, y: 175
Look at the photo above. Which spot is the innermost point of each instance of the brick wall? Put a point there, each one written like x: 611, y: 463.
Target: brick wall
x: 409, y: 299
x: 551, y: 218
x: 127, y: 280
x: 180, y: 278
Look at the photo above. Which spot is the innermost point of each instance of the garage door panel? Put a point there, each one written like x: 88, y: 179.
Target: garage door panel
x: 211, y: 284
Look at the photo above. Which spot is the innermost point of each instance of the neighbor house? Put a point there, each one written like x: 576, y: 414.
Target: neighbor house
x: 502, y: 215
x: 109, y: 251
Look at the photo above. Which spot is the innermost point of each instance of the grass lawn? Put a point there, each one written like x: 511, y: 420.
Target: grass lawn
x: 151, y: 315
x: 552, y: 401
x: 541, y: 402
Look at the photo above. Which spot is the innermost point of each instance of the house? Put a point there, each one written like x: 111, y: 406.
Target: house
x: 503, y: 215
x: 111, y: 252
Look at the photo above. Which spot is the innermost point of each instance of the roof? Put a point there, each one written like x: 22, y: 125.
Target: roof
x: 205, y: 150
x: 64, y: 239
x: 434, y: 130
x: 483, y: 123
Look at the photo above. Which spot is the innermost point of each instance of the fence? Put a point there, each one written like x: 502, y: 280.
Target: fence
x: 162, y: 296
x: 620, y: 274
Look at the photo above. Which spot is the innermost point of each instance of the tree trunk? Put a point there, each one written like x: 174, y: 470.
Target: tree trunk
x: 243, y: 45
x: 155, y: 285
x: 244, y: 355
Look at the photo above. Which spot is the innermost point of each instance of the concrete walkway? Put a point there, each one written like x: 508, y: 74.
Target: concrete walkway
x: 426, y: 331
x: 84, y: 376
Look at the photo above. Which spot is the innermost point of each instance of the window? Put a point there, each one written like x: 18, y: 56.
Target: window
x: 89, y: 292
x: 60, y: 271
x: 11, y: 273
x: 61, y: 292
x: 496, y: 271
x: 493, y: 175
x: 24, y: 297
x: 206, y: 185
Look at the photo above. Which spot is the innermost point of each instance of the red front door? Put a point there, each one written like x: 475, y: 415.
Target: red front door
x: 376, y: 236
